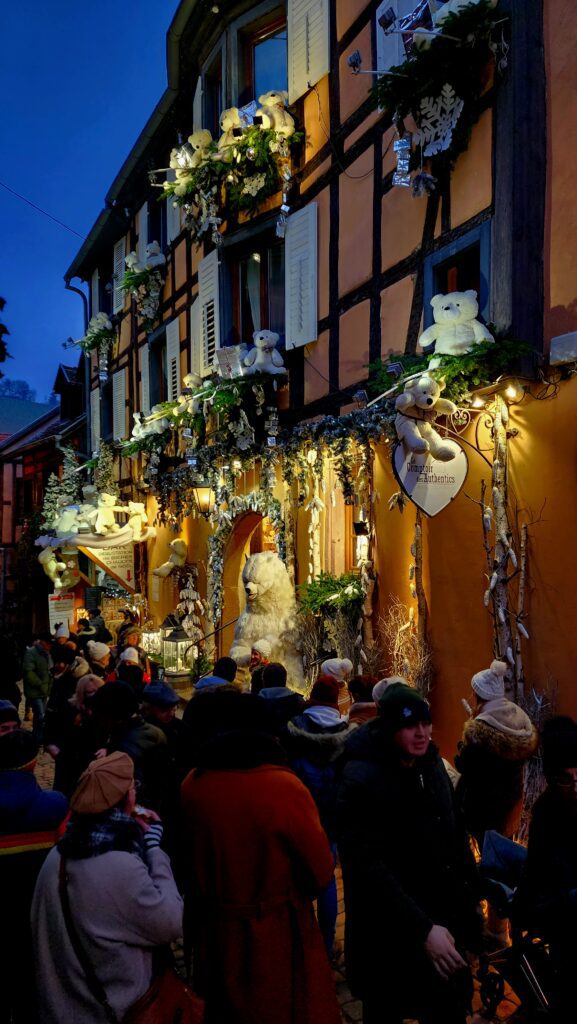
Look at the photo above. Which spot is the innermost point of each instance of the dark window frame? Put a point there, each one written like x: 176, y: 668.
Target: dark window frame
x: 157, y: 367
x: 263, y: 242
x: 480, y: 238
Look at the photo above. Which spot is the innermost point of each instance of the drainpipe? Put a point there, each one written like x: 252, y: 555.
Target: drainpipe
x: 88, y: 433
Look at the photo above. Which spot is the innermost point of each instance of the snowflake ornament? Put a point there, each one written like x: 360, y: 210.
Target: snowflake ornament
x: 437, y: 119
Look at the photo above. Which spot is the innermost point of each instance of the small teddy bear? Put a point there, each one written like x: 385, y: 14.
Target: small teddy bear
x: 456, y: 329
x: 176, y: 559
x: 200, y: 143
x: 229, y: 121
x: 137, y: 518
x: 417, y: 409
x: 105, y: 521
x: 264, y: 358
x: 153, y: 257
x: 273, y: 113
x: 52, y: 566
x: 66, y: 520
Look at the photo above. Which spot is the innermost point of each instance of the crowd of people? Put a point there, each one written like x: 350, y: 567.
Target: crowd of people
x: 223, y: 827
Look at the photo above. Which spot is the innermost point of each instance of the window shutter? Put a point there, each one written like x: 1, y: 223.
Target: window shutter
x: 142, y: 232
x: 144, y: 380
x: 173, y: 359
x: 301, y: 320
x: 173, y: 226
x: 308, y: 44
x: 118, y: 268
x: 95, y: 419
x: 195, y: 338
x: 197, y: 117
x: 209, y: 299
x: 119, y: 405
x: 94, y: 293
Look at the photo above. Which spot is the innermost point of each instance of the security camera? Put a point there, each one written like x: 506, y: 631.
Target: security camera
x: 387, y: 20
x: 354, y: 61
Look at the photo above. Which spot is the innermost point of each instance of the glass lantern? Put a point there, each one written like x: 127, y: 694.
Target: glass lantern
x: 151, y: 640
x: 178, y: 651
x: 171, y: 622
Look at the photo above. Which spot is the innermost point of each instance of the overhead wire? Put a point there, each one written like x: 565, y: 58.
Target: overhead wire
x: 40, y: 210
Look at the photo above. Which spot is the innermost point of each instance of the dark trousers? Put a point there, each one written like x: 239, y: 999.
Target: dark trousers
x: 439, y: 1002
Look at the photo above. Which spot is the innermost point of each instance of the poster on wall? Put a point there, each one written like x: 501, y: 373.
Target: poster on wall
x: 117, y: 562
x: 430, y: 484
x: 60, y: 609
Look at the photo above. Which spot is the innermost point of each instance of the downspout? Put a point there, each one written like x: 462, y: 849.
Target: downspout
x: 88, y: 432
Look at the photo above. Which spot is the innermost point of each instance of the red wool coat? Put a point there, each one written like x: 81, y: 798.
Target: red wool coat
x: 259, y: 858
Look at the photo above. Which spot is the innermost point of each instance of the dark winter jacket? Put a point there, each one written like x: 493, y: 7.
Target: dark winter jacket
x: 406, y: 865
x: 146, y: 745
x: 209, y: 713
x: 314, y: 748
x: 36, y: 672
x: 547, y: 895
x: 276, y: 706
x: 495, y: 746
x: 59, y: 718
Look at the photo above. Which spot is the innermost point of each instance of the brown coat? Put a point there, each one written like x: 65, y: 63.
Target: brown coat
x: 259, y: 855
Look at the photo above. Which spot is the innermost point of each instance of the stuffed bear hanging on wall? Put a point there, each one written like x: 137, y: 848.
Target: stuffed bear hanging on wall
x: 417, y: 409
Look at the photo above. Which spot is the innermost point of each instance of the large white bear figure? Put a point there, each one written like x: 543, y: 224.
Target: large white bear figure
x: 271, y: 614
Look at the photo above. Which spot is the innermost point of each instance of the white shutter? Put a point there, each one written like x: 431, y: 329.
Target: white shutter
x: 173, y: 226
x: 197, y: 116
x: 95, y: 419
x: 209, y: 299
x: 144, y: 380
x: 301, y: 319
x: 308, y: 44
x: 195, y: 338
x: 118, y: 268
x: 94, y: 293
x: 142, y: 232
x: 391, y: 48
x: 119, y: 405
x: 173, y: 359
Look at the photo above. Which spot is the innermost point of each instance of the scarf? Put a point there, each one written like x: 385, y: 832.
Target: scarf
x: 90, y: 835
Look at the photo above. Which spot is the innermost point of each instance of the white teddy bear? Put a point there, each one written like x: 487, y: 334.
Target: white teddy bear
x: 274, y: 115
x: 264, y: 358
x: 229, y: 121
x: 105, y: 521
x: 137, y: 518
x: 199, y: 142
x: 176, y: 559
x: 153, y: 257
x: 456, y: 329
x: 270, y: 613
x: 66, y: 520
x: 417, y: 409
x: 52, y: 566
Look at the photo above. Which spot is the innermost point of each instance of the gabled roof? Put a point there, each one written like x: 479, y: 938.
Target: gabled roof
x: 17, y: 413
x: 67, y: 376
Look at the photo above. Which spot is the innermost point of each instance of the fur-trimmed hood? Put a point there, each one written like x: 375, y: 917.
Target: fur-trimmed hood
x: 503, y: 728
x: 322, y: 746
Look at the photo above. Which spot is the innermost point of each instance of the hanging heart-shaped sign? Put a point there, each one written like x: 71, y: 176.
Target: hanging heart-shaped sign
x: 430, y: 484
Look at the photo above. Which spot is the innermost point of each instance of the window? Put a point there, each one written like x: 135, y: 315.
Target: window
x: 106, y: 417
x: 213, y: 93
x: 263, y: 63
x: 394, y: 47
x: 459, y: 266
x: 158, y: 384
x: 157, y: 224
x: 256, y: 290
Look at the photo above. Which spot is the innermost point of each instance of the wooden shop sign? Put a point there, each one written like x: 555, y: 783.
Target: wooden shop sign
x: 117, y: 562
x: 430, y: 484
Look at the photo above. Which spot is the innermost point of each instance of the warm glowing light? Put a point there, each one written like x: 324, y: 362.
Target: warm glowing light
x: 511, y: 391
x: 478, y: 403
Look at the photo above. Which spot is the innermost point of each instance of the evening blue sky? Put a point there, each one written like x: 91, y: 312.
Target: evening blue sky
x: 79, y: 81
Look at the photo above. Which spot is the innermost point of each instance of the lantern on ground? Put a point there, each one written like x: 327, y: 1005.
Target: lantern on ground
x: 171, y: 622
x: 151, y: 640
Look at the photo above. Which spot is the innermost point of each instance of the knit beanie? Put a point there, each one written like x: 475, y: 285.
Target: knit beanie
x: 325, y: 693
x: 129, y: 654
x: 338, y: 668
x: 18, y: 751
x: 115, y: 701
x: 262, y: 647
x: 380, y: 687
x: 8, y: 712
x: 103, y: 785
x: 490, y: 683
x: 62, y: 631
x: 97, y: 650
x: 400, y: 706
x: 559, y: 746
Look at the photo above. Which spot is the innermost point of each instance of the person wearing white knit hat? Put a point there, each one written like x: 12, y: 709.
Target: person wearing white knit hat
x: 496, y: 743
x: 99, y: 657
x: 260, y: 654
x: 130, y: 654
x: 340, y: 669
